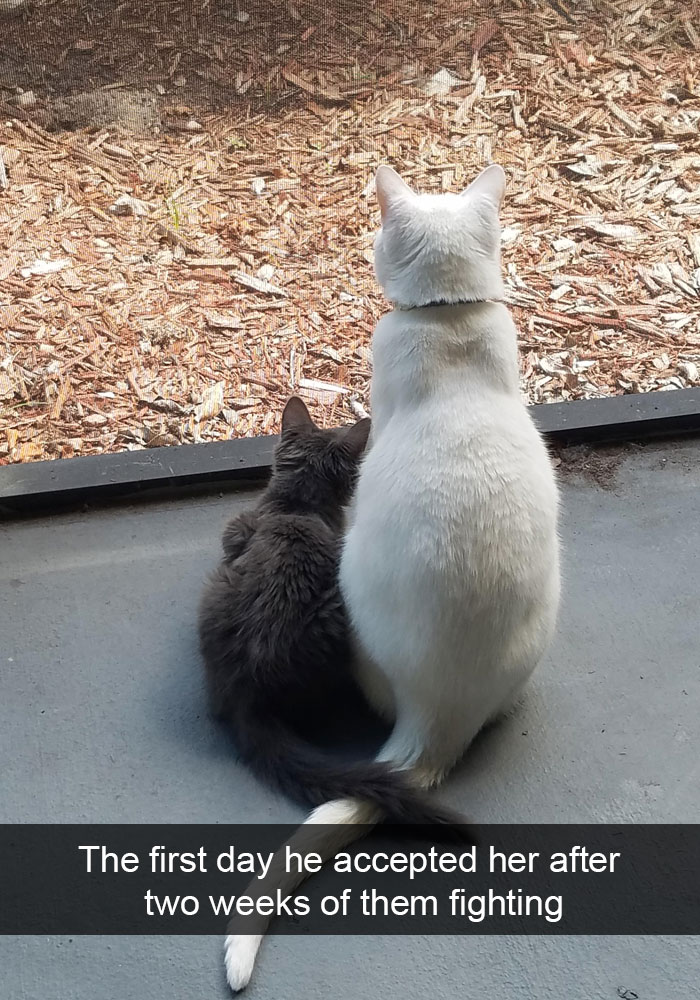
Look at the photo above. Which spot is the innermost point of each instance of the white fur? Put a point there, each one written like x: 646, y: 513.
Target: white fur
x: 327, y: 830
x: 439, y: 246
x: 240, y: 951
x: 450, y: 565
x: 450, y: 568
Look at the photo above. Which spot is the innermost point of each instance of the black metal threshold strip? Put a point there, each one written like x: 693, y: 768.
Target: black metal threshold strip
x: 45, y: 487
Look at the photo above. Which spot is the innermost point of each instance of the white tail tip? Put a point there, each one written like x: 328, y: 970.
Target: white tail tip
x: 240, y: 951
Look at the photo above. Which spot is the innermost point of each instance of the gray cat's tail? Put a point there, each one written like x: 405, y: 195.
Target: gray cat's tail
x: 328, y: 829
x: 350, y: 800
x: 306, y: 774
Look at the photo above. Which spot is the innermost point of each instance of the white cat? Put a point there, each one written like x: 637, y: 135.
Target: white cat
x: 450, y: 568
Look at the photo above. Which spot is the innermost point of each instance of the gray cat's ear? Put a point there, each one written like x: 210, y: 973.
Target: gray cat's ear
x: 295, y: 414
x: 356, y: 436
x: 390, y: 189
x: 490, y: 184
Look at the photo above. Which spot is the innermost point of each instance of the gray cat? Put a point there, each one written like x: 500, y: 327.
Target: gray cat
x: 273, y: 628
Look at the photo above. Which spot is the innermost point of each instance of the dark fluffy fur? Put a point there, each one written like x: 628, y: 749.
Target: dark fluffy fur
x: 273, y: 629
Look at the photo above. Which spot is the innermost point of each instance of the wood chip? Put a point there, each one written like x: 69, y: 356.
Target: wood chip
x: 257, y: 284
x: 614, y: 232
x: 212, y: 403
x: 223, y: 321
x: 316, y: 385
x: 213, y: 261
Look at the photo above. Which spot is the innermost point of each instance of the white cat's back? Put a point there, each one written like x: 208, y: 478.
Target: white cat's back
x: 452, y: 554
x: 454, y: 446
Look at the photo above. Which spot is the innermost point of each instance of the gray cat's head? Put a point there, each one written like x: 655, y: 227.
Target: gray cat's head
x: 316, y: 469
x: 439, y: 247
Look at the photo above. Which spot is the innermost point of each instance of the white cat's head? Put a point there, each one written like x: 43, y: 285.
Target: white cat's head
x: 439, y: 247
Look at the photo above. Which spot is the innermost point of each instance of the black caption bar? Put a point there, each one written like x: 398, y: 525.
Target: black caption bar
x: 192, y: 879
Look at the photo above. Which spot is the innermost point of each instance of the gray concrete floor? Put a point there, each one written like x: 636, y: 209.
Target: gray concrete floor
x: 102, y: 719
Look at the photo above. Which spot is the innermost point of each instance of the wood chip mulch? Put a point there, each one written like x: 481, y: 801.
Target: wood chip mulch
x: 179, y: 285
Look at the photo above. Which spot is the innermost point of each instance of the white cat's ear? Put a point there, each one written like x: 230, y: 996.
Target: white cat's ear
x: 390, y: 189
x: 356, y: 437
x: 490, y: 184
x: 295, y: 414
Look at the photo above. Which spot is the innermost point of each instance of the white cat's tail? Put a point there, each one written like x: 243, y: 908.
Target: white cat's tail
x: 328, y: 829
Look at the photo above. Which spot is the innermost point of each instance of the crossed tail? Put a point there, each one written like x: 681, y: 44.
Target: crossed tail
x: 306, y: 774
x: 350, y: 799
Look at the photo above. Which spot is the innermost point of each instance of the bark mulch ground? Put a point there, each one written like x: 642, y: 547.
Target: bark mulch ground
x: 186, y: 205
